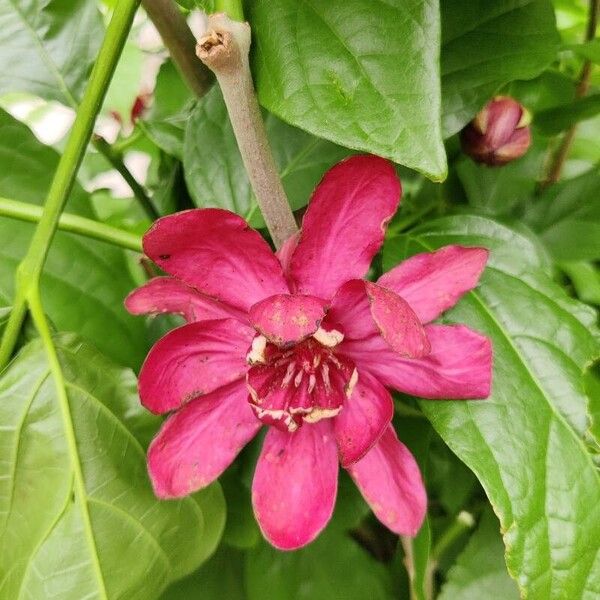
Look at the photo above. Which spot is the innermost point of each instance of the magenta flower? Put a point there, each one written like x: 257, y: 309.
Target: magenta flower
x: 301, y: 343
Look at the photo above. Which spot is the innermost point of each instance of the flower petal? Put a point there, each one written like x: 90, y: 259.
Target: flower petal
x: 295, y: 484
x: 458, y: 367
x: 375, y: 317
x: 389, y: 479
x: 198, y: 442
x: 344, y: 225
x: 363, y: 419
x: 193, y: 360
x: 216, y: 252
x: 286, y: 319
x: 433, y: 282
x: 169, y: 295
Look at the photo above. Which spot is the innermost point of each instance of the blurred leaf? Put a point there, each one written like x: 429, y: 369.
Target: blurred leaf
x: 585, y: 278
x: 589, y: 50
x: 214, y: 170
x: 363, y: 77
x: 486, y: 46
x: 79, y: 516
x: 480, y: 571
x: 170, y: 111
x: 241, y: 529
x: 567, y: 217
x: 214, y: 510
x: 221, y: 578
x: 526, y: 442
x: 333, y: 567
x: 496, y: 191
x: 554, y: 120
x: 48, y: 48
x: 84, y: 281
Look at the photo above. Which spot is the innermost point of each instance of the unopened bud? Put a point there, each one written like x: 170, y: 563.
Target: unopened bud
x: 499, y: 133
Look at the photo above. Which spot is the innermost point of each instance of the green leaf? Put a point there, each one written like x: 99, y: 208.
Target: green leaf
x: 48, y: 48
x: 361, y: 76
x: 221, y: 578
x: 78, y: 515
x: 480, y: 571
x: 585, y: 278
x: 498, y: 191
x: 567, y: 217
x: 213, y: 166
x: 84, y: 281
x: 554, y: 120
x: 525, y: 443
x: 212, y: 503
x: 589, y: 50
x: 333, y: 567
x: 169, y: 113
x: 487, y: 45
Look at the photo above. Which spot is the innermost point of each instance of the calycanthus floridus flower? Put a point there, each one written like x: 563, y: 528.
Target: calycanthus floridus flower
x: 299, y: 342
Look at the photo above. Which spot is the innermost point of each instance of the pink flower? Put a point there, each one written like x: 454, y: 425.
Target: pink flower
x: 301, y: 343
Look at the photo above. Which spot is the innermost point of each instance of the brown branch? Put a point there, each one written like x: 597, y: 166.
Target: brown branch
x: 583, y: 85
x: 180, y: 42
x: 224, y: 49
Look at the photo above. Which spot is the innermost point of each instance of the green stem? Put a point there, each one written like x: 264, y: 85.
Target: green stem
x: 116, y: 160
x: 232, y: 8
x: 463, y: 522
x: 29, y: 270
x: 73, y: 224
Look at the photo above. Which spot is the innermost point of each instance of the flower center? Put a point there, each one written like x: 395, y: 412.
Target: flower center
x: 303, y: 383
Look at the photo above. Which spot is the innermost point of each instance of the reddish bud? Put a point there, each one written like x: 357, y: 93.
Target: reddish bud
x: 499, y: 133
x: 140, y: 104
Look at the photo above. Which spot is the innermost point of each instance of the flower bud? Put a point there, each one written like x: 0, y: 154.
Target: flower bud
x: 499, y: 133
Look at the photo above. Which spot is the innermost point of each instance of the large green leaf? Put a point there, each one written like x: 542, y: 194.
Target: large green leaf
x: 333, y: 567
x: 480, y: 572
x: 567, y: 217
x: 360, y: 74
x: 485, y: 45
x: 48, y: 47
x: 78, y: 515
x: 526, y: 442
x: 213, y: 166
x: 84, y: 281
x: 554, y: 120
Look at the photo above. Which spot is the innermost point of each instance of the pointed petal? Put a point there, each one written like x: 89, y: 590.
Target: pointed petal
x: 295, y: 484
x: 377, y: 318
x: 344, y: 225
x: 198, y: 442
x: 389, y: 479
x: 458, y: 367
x: 216, y: 252
x: 286, y: 319
x: 193, y: 360
x: 433, y: 282
x: 169, y: 295
x: 363, y: 419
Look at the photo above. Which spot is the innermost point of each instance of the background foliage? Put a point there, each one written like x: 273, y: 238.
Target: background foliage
x: 513, y: 483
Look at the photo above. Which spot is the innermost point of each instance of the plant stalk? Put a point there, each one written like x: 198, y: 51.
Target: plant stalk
x: 72, y: 224
x: 224, y: 49
x: 29, y: 270
x: 583, y: 85
x: 116, y: 160
x: 180, y: 42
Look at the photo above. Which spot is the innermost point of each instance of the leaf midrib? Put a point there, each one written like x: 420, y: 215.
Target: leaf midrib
x: 46, y: 58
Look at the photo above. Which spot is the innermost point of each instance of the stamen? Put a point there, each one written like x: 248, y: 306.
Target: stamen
x: 288, y: 374
x: 325, y: 375
x: 298, y: 378
x: 257, y: 351
x: 312, y: 381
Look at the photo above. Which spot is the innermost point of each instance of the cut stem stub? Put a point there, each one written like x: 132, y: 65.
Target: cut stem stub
x: 224, y: 49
